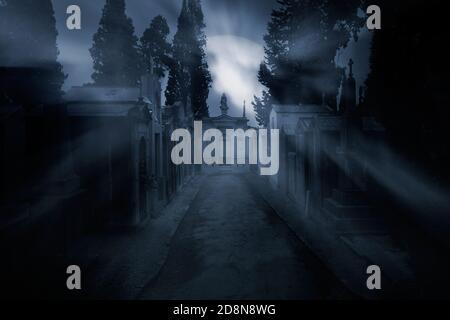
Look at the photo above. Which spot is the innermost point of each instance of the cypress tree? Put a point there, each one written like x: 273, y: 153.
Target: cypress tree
x: 189, y: 77
x: 155, y: 48
x: 301, y: 43
x: 173, y: 89
x: 262, y: 107
x: 178, y: 88
x: 115, y: 48
x: 200, y: 76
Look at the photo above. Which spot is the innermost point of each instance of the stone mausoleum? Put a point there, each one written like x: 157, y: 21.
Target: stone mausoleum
x: 116, y: 135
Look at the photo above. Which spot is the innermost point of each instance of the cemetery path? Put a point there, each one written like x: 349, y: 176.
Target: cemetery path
x: 232, y: 245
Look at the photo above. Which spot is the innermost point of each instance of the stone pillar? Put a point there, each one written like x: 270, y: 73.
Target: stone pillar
x: 316, y: 166
x: 301, y: 189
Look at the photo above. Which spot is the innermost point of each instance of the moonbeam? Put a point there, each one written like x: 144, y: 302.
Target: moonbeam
x: 242, y: 147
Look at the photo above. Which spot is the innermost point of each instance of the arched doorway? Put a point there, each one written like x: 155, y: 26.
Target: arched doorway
x: 143, y: 179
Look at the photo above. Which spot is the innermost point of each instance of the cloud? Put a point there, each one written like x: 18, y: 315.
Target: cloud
x: 234, y: 64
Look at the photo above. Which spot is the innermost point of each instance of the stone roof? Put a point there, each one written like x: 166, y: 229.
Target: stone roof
x: 102, y: 94
x: 225, y: 117
x: 103, y: 101
x: 308, y: 108
x: 99, y: 110
x: 286, y: 117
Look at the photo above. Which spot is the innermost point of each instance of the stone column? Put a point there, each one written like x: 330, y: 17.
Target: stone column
x: 316, y: 165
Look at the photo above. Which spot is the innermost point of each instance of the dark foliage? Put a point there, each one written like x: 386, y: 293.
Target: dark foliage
x: 189, y: 77
x: 408, y: 85
x: 301, y: 43
x: 262, y: 107
x: 115, y: 48
x: 30, y: 71
x: 155, y: 48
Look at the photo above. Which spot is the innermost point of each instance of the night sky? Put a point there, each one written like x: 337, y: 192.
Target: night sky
x: 235, y: 30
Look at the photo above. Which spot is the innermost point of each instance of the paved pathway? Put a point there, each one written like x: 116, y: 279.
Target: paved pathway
x: 232, y: 245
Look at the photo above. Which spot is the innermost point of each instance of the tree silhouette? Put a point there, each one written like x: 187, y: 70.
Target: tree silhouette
x: 189, y: 77
x: 28, y: 44
x: 262, y: 107
x: 155, y: 48
x: 301, y: 43
x: 178, y: 84
x: 407, y: 89
x: 173, y: 89
x: 115, y: 48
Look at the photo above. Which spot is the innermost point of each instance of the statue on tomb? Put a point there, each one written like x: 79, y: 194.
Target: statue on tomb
x: 224, y: 104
